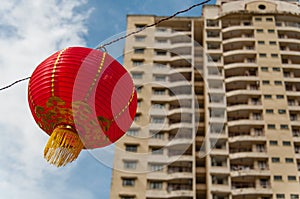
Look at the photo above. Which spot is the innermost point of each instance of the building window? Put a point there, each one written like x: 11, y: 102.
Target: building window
x: 262, y: 165
x: 128, y: 182
x: 157, y: 120
x: 263, y: 183
x: 261, y: 42
x: 137, y: 75
x: 277, y: 82
x: 247, y: 23
x: 161, y: 41
x: 286, y: 143
x: 159, y: 92
x: 264, y: 68
x: 262, y: 55
x: 269, y: 19
x: 137, y: 118
x: 131, y: 147
x: 155, y: 185
x: 271, y: 126
x: 139, y: 103
x: 280, y: 196
x: 272, y: 42
x: 289, y: 160
x: 157, y: 151
x: 273, y: 142
x: 157, y: 135
x: 140, y: 26
x: 294, y: 196
x: 161, y: 53
x: 213, y: 34
x: 130, y: 164
x: 139, y: 50
x: 161, y: 29
x: 160, y: 65
x: 138, y: 89
x: 291, y: 178
x: 271, y: 31
x: 269, y: 111
x: 265, y: 82
x: 127, y: 197
x: 275, y: 159
x: 156, y: 167
x: 158, y: 106
x: 160, y: 78
x: 132, y: 132
x: 268, y: 96
x: 282, y: 111
x: 212, y: 23
x: 278, y: 178
x: 139, y: 38
x: 276, y: 69
x: 259, y: 30
x: 257, y: 18
x: 284, y: 126
x: 274, y: 55
x: 137, y: 62
x: 279, y: 96
x: 261, y: 7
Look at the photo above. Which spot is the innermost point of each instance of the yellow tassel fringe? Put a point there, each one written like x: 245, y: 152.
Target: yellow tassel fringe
x: 64, y: 146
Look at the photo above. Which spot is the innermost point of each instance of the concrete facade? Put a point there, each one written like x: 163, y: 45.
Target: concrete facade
x: 218, y: 113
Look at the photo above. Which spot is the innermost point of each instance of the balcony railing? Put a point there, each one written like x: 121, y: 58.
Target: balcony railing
x: 179, y: 170
x: 179, y: 187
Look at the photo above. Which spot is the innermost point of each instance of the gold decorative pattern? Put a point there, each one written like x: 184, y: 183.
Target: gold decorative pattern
x: 79, y: 115
x: 127, y: 105
x: 54, y: 69
x: 96, y: 77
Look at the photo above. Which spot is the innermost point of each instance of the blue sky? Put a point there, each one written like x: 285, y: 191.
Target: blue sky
x: 30, y: 31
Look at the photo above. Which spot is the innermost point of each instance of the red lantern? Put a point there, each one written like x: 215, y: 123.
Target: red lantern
x: 83, y: 99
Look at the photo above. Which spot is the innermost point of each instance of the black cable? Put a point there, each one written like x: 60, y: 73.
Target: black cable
x: 125, y: 36
x: 18, y: 81
x: 151, y: 25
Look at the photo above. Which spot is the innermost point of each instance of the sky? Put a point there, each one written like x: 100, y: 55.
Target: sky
x: 30, y: 31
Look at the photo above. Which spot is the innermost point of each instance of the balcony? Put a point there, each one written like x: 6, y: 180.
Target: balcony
x: 246, y: 138
x: 169, y: 176
x: 251, y: 191
x: 247, y: 154
x: 180, y: 141
x: 168, y: 32
x: 244, y: 78
x: 288, y: 52
x: 220, y: 188
x: 242, y: 170
x: 286, y: 39
x: 168, y: 194
x: 251, y: 62
x: 239, y: 52
x: 219, y: 170
x: 246, y: 91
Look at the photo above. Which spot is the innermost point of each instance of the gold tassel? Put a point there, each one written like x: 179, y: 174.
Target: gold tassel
x: 64, y: 146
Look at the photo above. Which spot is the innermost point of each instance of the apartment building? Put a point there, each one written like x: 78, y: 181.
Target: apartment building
x: 218, y: 105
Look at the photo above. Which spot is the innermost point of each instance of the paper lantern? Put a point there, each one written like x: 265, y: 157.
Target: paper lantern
x: 83, y: 99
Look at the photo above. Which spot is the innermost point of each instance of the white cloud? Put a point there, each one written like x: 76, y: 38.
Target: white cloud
x: 30, y: 31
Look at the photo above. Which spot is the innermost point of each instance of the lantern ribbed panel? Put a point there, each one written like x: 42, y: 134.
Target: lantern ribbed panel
x: 85, y: 89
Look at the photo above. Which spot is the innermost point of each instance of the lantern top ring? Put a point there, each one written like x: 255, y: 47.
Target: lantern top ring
x: 102, y: 48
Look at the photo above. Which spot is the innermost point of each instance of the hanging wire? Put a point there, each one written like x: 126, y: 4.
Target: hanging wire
x: 151, y: 25
x: 102, y: 47
x: 18, y: 81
